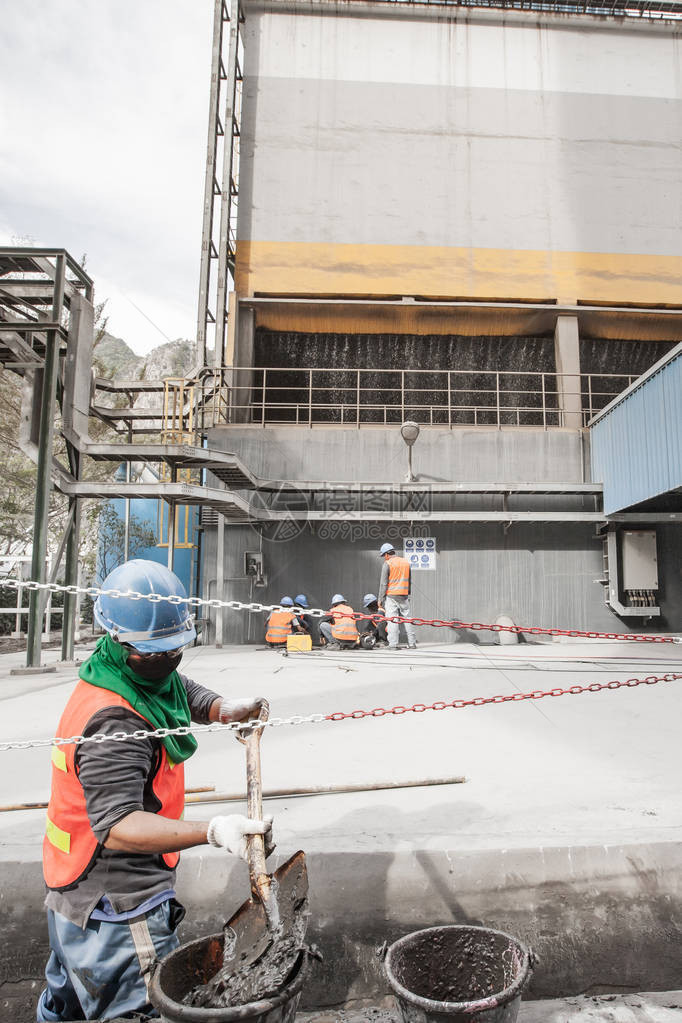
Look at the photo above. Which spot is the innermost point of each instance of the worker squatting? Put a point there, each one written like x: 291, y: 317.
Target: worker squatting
x: 339, y: 628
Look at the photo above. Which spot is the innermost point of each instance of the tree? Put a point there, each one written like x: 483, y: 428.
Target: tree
x: 111, y: 532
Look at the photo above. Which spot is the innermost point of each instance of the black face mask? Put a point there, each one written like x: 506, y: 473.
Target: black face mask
x: 153, y: 667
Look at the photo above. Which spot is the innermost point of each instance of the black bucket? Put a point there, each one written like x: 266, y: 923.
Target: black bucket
x: 458, y: 973
x: 195, y: 963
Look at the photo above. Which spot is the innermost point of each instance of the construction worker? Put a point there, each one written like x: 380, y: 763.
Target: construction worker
x: 339, y: 627
x: 372, y: 630
x: 114, y: 829
x: 281, y: 624
x: 394, y: 594
x: 301, y: 605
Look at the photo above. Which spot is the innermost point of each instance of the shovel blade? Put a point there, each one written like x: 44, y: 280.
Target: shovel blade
x: 249, y: 923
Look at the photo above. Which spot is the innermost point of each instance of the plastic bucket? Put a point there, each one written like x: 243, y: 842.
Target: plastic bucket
x: 458, y: 973
x: 195, y: 963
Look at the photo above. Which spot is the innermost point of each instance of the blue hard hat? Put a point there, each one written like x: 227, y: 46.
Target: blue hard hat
x: 338, y: 598
x: 385, y: 549
x: 286, y: 602
x: 151, y: 627
x: 368, y: 599
x: 301, y: 600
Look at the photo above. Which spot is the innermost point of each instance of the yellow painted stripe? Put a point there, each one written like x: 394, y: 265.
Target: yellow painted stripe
x: 60, y: 839
x: 301, y: 268
x: 59, y: 758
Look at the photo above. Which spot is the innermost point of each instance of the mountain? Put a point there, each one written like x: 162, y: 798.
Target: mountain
x: 113, y: 359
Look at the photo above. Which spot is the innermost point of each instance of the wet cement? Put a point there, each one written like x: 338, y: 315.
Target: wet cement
x: 251, y: 974
x: 456, y: 966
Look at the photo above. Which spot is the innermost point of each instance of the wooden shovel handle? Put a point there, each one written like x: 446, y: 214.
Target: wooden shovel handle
x: 260, y: 879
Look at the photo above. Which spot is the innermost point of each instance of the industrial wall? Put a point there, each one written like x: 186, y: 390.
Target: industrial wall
x: 539, y: 573
x: 374, y: 454
x: 396, y: 150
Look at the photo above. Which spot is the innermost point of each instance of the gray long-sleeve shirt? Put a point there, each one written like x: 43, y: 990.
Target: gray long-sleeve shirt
x: 117, y: 780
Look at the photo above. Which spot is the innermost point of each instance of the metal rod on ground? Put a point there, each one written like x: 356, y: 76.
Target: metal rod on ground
x: 43, y: 806
x: 327, y: 790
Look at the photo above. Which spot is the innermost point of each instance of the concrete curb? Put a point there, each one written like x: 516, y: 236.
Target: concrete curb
x: 600, y: 918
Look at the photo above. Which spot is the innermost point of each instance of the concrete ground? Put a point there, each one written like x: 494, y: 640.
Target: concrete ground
x: 567, y: 831
x: 650, y: 1007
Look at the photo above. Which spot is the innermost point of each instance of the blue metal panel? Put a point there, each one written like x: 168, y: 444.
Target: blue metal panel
x: 636, y: 441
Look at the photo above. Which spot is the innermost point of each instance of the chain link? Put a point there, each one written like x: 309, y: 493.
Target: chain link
x: 483, y: 701
x: 162, y: 733
x: 215, y: 603
x: 355, y: 715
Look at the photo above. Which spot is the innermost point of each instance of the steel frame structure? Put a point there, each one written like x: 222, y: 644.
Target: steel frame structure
x: 219, y: 232
x: 37, y: 287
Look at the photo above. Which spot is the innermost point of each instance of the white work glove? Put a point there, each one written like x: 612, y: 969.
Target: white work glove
x: 246, y: 709
x: 230, y: 832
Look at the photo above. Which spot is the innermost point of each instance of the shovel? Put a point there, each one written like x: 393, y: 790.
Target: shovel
x: 264, y: 938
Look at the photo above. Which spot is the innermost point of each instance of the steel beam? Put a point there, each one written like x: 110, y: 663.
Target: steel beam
x: 44, y: 473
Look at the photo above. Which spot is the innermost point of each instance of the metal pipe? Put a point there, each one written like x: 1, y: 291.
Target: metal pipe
x: 328, y: 790
x: 220, y: 579
x: 71, y: 579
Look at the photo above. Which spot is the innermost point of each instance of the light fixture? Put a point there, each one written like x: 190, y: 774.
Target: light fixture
x: 409, y: 431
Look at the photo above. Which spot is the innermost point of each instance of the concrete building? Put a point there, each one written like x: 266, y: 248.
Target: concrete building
x: 468, y: 218
x: 471, y: 219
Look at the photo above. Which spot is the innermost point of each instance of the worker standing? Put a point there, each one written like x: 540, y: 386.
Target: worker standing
x: 114, y: 829
x: 281, y: 623
x: 394, y: 594
x: 339, y: 627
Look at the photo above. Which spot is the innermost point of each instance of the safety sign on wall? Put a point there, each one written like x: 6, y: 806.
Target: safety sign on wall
x: 420, y: 552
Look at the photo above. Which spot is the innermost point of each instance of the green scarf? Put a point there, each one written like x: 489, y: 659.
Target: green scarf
x: 163, y: 703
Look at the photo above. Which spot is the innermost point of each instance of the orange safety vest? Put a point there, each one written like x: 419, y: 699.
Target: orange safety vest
x: 398, y: 577
x: 343, y: 627
x: 279, y: 626
x: 70, y: 847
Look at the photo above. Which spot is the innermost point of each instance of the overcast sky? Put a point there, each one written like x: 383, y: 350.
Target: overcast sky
x: 103, y: 121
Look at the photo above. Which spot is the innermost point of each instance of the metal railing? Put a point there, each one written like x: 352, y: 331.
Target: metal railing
x: 280, y: 395
x: 359, y: 397
x: 648, y: 10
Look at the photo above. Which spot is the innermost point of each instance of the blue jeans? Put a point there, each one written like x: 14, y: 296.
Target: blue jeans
x: 101, y: 972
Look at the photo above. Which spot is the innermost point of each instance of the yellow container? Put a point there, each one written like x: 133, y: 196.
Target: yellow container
x: 301, y: 644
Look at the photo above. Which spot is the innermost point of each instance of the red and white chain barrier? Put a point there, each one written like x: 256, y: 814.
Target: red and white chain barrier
x: 256, y: 608
x: 354, y: 715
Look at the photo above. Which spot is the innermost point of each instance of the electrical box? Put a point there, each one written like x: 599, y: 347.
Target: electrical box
x: 640, y: 563
x: 253, y: 567
x: 253, y: 563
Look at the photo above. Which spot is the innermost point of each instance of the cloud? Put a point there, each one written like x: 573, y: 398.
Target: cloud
x: 102, y: 145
